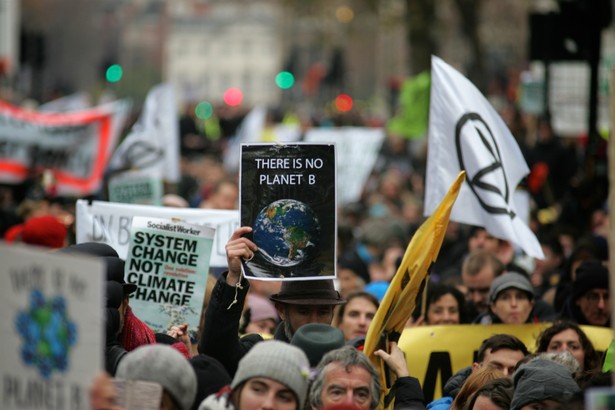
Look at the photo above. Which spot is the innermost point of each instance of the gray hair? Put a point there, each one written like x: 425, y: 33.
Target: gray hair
x: 564, y: 358
x: 348, y: 357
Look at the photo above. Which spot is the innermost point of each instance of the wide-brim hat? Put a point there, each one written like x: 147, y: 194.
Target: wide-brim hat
x: 308, y: 292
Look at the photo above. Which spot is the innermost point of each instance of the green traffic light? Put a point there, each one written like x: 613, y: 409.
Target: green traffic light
x: 285, y: 80
x: 114, y: 73
x: 204, y: 110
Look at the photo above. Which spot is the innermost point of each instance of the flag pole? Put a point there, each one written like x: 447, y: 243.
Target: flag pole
x: 611, y: 202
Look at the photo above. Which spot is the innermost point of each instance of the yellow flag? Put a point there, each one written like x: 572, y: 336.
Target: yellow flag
x: 400, y: 299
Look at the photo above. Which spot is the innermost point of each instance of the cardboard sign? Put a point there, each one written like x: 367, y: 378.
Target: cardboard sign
x: 169, y: 262
x: 52, y: 328
x: 288, y: 198
x: 110, y: 223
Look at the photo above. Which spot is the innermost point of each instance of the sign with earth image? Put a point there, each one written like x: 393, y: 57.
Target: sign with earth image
x: 288, y: 197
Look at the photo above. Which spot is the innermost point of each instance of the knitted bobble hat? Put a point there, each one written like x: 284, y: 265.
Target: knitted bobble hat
x: 161, y: 364
x: 278, y: 361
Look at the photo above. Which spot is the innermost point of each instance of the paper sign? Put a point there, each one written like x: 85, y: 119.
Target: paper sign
x: 110, y: 223
x: 169, y: 263
x: 354, y: 145
x: 288, y: 197
x: 136, y: 187
x: 52, y: 328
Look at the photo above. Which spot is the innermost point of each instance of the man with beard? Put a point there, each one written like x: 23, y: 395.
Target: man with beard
x: 297, y: 303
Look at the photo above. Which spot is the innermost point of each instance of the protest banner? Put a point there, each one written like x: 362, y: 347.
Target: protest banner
x: 357, y: 151
x: 169, y: 263
x: 74, y: 102
x: 75, y: 146
x: 288, y: 198
x: 434, y: 353
x: 52, y: 328
x: 136, y: 187
x: 153, y: 142
x: 466, y: 133
x: 110, y: 223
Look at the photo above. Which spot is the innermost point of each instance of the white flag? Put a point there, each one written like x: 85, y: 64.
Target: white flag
x: 153, y: 142
x: 466, y: 133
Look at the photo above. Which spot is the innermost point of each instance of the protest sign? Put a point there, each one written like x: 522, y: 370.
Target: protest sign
x: 288, y: 198
x: 434, y: 353
x: 169, y: 263
x: 110, y: 223
x: 357, y: 151
x: 75, y: 146
x: 52, y: 328
x: 136, y: 187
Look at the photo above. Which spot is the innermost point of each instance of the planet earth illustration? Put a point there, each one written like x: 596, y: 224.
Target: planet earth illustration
x: 286, y: 232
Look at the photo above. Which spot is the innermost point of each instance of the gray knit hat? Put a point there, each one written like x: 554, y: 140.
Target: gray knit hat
x: 161, y: 364
x: 278, y: 361
x: 541, y: 380
x: 510, y: 280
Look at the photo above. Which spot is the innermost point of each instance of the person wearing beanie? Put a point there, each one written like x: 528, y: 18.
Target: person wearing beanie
x: 162, y: 364
x: 211, y: 377
x: 297, y: 303
x: 316, y: 339
x: 542, y: 382
x: 45, y: 230
x: 272, y: 374
x: 589, y: 302
x: 511, y: 301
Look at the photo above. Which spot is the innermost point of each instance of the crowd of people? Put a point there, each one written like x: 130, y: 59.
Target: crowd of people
x: 298, y: 344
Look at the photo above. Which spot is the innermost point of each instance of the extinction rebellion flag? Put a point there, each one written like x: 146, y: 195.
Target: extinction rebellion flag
x: 467, y: 134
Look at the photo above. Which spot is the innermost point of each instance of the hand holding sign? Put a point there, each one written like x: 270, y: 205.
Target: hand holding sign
x: 238, y: 248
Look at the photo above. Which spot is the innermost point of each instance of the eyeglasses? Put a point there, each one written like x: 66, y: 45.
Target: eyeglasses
x: 594, y: 297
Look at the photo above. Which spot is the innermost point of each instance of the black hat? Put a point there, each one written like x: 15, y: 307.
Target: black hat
x: 115, y: 294
x: 211, y: 376
x: 115, y: 272
x: 316, y: 339
x: 591, y: 274
x: 91, y: 249
x: 308, y: 292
